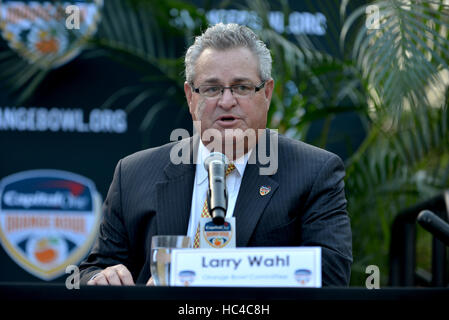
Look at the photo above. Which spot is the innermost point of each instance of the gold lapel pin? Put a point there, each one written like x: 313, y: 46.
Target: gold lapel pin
x: 264, y: 190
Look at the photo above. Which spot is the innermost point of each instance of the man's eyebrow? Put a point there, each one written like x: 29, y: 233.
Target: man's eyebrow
x: 241, y: 80
x: 212, y: 80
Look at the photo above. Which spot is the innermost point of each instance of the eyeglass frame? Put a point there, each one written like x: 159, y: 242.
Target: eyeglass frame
x: 223, y: 88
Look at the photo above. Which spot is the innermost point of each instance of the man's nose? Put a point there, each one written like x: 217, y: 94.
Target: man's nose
x: 227, y: 99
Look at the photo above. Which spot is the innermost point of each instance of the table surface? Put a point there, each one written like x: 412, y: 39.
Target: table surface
x: 26, y: 300
x: 32, y: 291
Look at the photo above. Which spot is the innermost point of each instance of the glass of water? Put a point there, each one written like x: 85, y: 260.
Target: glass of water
x: 161, y: 247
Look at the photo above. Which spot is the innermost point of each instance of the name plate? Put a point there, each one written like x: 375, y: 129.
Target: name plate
x: 247, y: 267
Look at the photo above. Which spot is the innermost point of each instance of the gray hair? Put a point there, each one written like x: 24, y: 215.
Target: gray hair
x: 228, y: 36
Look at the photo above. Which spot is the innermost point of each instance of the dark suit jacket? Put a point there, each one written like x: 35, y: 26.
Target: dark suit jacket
x: 149, y: 195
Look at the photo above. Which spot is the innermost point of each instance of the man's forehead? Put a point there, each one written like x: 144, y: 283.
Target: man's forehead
x: 231, y: 65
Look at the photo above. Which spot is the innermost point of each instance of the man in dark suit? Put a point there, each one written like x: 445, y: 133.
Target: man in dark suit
x: 228, y: 89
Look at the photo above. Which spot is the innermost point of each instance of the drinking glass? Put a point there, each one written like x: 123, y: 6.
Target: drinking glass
x: 161, y: 248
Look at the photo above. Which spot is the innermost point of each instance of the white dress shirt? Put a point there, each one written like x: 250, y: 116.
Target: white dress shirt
x: 201, y: 184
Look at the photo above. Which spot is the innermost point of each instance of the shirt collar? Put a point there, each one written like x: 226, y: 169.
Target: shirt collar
x: 203, y: 153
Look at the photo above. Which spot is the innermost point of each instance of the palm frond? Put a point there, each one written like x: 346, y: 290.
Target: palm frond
x: 402, y: 58
x: 140, y: 34
x: 397, y: 169
x: 21, y: 77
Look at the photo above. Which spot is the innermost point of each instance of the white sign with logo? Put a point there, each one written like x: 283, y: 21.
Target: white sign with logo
x: 247, y: 267
x: 48, y: 219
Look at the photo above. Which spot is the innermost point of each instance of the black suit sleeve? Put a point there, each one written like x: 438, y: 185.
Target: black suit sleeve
x: 325, y: 223
x: 112, y: 244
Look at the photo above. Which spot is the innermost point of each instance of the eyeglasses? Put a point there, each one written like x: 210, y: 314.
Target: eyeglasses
x: 238, y: 90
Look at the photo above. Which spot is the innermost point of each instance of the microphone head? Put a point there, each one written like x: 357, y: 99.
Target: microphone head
x: 215, y: 156
x: 426, y: 216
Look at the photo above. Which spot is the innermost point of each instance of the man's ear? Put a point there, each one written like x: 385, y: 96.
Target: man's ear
x: 188, y: 92
x: 268, y: 89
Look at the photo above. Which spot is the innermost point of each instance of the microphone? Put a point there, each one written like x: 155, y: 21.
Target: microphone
x: 435, y: 225
x: 215, y: 165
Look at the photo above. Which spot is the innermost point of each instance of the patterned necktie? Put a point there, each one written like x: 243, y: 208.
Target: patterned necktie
x: 205, y: 212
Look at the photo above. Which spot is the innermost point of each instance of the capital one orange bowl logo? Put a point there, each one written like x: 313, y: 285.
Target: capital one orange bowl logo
x: 48, y: 220
x: 217, y: 236
x: 48, y: 33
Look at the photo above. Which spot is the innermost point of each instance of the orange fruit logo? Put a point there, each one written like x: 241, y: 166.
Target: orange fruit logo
x: 44, y: 253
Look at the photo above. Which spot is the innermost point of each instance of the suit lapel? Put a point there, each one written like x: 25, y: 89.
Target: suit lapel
x: 174, y: 195
x: 250, y: 202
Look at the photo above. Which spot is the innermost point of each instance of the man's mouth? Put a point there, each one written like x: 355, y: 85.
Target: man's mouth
x: 226, y: 118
